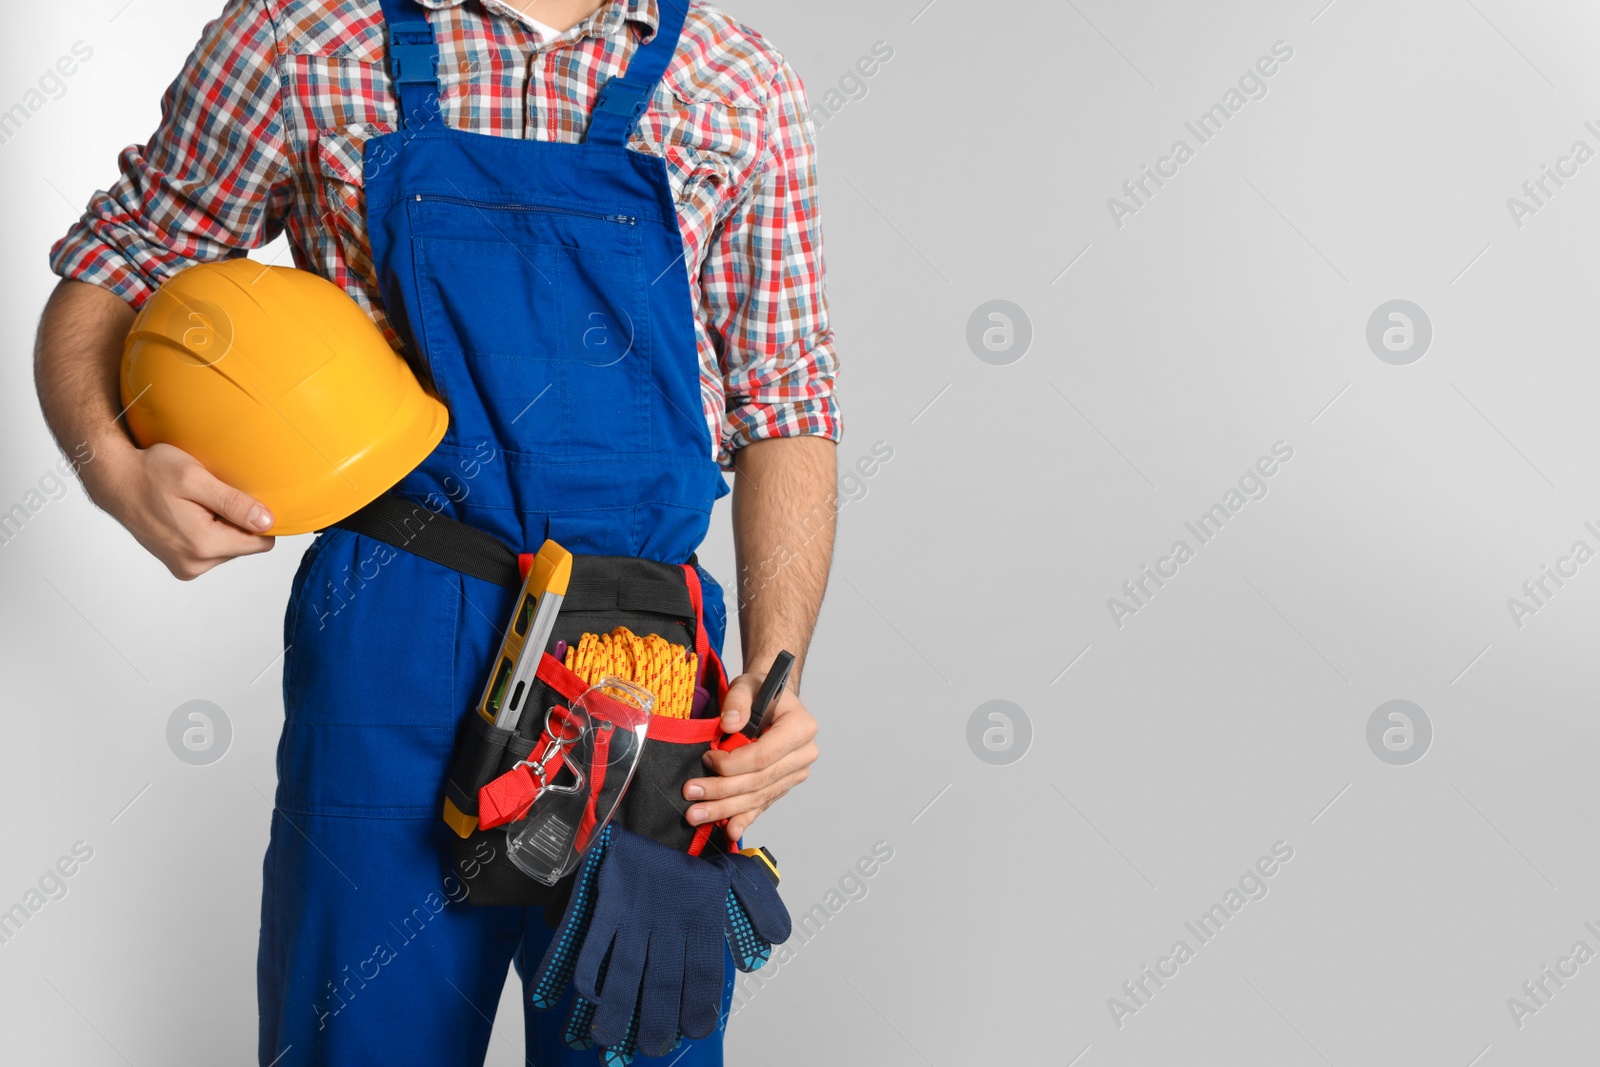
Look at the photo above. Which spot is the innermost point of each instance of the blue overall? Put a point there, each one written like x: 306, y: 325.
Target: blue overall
x: 540, y: 286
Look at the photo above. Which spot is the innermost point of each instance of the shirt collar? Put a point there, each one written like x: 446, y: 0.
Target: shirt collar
x: 603, y: 23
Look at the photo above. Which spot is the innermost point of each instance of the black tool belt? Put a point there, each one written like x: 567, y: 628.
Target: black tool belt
x: 646, y: 596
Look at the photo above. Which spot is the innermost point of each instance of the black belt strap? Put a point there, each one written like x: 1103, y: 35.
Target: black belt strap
x: 408, y: 525
x: 623, y: 584
x: 634, y: 593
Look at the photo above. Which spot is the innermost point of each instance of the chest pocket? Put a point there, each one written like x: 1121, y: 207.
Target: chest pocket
x: 342, y: 196
x: 534, y: 319
x: 712, y: 136
x: 337, y: 99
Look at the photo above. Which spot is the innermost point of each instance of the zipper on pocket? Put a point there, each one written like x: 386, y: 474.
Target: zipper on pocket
x: 491, y: 205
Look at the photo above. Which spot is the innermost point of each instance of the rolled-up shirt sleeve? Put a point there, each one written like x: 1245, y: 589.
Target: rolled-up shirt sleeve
x: 763, y: 287
x: 214, y: 180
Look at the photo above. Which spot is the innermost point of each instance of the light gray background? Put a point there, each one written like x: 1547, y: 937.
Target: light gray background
x: 1231, y: 713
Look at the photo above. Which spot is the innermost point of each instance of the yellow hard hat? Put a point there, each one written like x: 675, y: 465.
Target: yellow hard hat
x: 281, y: 386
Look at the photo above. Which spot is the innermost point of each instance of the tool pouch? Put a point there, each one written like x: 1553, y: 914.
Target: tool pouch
x: 605, y: 592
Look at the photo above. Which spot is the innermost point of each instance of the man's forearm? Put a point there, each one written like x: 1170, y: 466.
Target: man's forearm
x: 76, y: 365
x: 784, y: 508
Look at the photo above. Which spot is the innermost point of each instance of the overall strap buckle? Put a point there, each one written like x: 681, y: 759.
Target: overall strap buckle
x: 624, y: 99
x: 619, y: 96
x: 413, y: 61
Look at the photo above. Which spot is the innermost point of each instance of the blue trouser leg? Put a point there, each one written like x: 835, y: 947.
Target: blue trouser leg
x: 382, y: 964
x: 367, y: 954
x: 370, y: 958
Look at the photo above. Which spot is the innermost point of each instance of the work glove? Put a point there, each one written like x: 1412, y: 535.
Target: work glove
x: 756, y: 916
x: 642, y: 938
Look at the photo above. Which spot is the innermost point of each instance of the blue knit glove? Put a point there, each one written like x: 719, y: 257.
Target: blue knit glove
x: 554, y: 975
x: 642, y: 940
x: 755, y: 916
x: 550, y: 981
x: 654, y: 946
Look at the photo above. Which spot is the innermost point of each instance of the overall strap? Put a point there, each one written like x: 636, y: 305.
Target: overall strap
x: 413, y: 61
x: 623, y: 99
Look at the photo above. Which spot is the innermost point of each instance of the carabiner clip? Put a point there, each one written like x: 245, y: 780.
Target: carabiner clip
x: 563, y: 731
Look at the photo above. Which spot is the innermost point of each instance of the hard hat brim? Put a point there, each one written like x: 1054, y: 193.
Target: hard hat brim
x: 367, y: 475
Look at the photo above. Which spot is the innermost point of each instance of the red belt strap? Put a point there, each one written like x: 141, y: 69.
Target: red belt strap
x: 508, y: 797
x: 597, y: 779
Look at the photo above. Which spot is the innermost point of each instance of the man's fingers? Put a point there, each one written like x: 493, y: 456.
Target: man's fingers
x: 736, y: 705
x: 785, y: 734
x: 718, y: 788
x: 209, y: 542
x: 181, y: 513
x: 257, y: 543
x: 224, y: 543
x: 239, y: 508
x: 210, y: 537
x: 717, y: 810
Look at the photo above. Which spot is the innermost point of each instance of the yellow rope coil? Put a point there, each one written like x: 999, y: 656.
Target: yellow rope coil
x: 666, y: 669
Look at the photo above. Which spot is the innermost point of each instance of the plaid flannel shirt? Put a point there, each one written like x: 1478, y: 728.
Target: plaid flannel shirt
x: 263, y: 131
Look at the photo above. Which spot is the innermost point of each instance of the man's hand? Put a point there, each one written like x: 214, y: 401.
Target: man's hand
x: 172, y: 505
x: 751, y: 777
x: 176, y: 509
